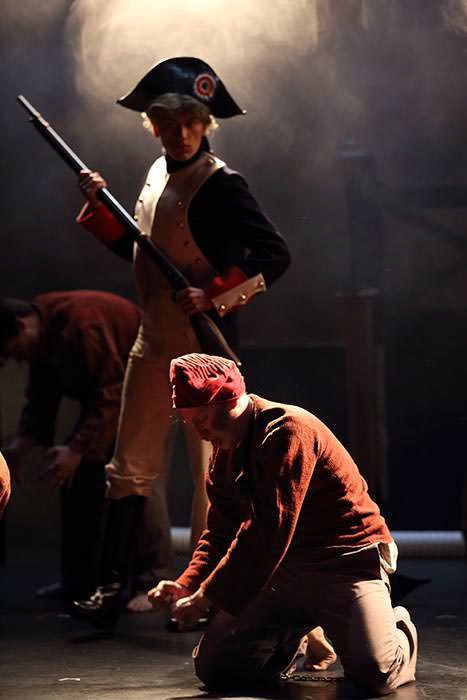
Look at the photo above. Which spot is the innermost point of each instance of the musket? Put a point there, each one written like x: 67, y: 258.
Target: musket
x: 207, y: 333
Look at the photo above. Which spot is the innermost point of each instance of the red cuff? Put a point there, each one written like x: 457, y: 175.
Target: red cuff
x: 101, y: 223
x: 218, y: 285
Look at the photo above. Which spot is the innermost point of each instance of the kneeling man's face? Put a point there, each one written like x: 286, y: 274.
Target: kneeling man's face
x: 212, y: 423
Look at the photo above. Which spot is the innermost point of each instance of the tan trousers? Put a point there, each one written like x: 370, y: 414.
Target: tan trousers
x: 347, y: 595
x: 145, y: 437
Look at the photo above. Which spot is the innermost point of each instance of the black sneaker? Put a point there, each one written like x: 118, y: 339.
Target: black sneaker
x: 102, y: 609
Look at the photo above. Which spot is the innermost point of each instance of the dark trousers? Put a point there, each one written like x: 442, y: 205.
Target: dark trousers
x: 82, y: 509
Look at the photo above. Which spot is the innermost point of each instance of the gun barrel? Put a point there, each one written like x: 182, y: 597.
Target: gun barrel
x: 29, y: 108
x: 51, y: 136
x: 67, y: 154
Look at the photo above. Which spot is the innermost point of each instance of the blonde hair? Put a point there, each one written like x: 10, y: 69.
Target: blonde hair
x: 171, y: 102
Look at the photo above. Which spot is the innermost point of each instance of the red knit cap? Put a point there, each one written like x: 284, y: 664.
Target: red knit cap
x: 204, y: 380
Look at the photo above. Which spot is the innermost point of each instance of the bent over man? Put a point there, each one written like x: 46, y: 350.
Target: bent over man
x: 76, y: 345
x: 293, y: 542
x: 204, y: 218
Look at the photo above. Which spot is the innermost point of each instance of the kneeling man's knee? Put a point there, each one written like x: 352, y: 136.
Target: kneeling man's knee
x: 210, y: 666
x: 373, y: 678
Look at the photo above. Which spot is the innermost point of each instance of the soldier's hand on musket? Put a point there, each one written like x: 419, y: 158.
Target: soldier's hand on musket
x: 90, y: 182
x: 192, y: 300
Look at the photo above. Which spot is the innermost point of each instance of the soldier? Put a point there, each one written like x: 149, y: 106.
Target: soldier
x: 203, y: 216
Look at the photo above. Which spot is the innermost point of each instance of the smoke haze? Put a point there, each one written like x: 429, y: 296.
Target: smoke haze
x: 310, y: 73
x: 233, y: 37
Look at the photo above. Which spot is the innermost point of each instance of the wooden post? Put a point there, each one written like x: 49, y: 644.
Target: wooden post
x: 365, y: 386
x: 364, y: 357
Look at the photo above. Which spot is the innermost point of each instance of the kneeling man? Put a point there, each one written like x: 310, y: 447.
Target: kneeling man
x: 293, y: 543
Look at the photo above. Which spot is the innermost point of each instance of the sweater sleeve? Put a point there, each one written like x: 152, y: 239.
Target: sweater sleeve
x: 5, y: 484
x: 103, y: 369
x: 223, y: 520
x: 283, y: 469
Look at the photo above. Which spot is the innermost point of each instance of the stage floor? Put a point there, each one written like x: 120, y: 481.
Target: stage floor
x: 45, y: 654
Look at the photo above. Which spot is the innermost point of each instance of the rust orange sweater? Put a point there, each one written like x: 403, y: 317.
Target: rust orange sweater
x: 5, y: 485
x: 289, y: 495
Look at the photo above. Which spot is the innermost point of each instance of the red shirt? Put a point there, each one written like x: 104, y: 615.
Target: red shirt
x: 289, y: 495
x: 85, y: 340
x: 5, y: 485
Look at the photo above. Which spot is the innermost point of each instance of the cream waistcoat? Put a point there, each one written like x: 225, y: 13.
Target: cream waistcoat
x: 162, y: 213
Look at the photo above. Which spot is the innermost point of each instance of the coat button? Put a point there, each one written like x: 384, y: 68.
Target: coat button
x: 242, y: 297
x: 222, y: 307
x: 260, y: 284
x: 179, y: 203
x: 180, y: 224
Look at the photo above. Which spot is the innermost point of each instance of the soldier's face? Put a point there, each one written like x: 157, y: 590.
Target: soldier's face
x: 181, y: 134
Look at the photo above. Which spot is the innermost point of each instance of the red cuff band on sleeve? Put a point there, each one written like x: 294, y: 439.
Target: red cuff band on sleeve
x: 101, y: 223
x: 220, y: 284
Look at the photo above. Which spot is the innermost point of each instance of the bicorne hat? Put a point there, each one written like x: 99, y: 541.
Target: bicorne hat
x: 184, y: 75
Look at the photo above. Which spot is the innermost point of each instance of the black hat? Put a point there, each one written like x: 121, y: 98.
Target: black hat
x: 184, y: 75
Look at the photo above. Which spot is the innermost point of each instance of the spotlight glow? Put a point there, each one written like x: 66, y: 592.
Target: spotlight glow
x: 116, y: 42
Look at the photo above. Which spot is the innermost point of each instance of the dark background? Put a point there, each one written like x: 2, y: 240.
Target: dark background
x: 319, y: 79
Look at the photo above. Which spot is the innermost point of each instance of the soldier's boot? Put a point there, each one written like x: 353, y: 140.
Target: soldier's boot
x: 103, y: 607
